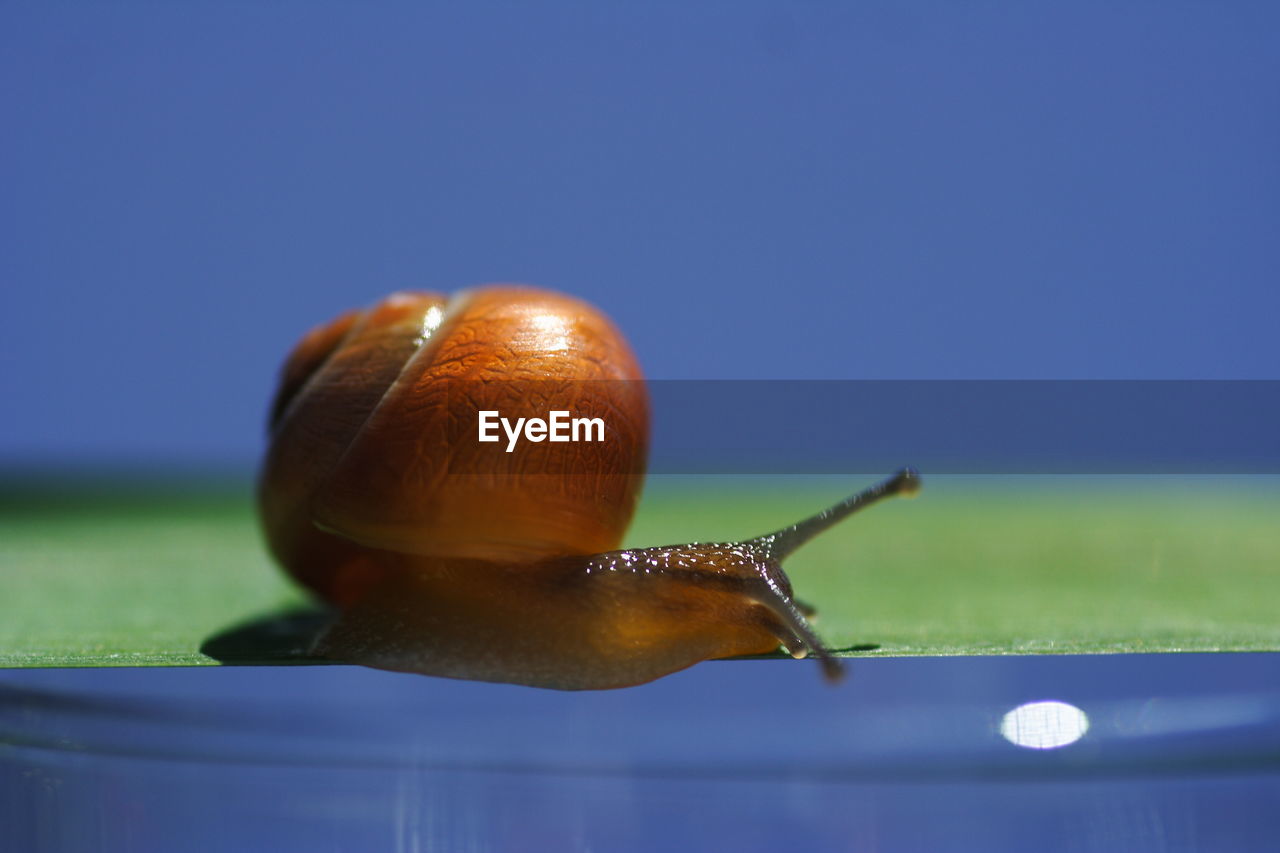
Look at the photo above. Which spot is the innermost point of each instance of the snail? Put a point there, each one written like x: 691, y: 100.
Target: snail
x: 448, y: 556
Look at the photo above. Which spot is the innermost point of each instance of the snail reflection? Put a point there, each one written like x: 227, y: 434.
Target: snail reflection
x: 457, y: 558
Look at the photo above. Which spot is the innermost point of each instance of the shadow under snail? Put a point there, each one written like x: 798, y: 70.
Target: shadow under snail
x: 451, y: 557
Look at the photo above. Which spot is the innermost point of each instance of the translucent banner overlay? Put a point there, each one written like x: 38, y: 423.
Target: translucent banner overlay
x: 939, y: 426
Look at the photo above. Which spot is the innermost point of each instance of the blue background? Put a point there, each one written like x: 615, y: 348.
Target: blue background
x: 752, y: 190
x: 749, y: 756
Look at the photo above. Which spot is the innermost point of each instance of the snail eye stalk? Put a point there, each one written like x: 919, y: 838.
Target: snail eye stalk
x: 781, y: 543
x: 773, y: 548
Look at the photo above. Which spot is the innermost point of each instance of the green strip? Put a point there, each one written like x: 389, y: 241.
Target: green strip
x: 969, y: 568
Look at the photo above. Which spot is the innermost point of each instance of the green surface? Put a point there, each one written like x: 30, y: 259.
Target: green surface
x: 971, y: 567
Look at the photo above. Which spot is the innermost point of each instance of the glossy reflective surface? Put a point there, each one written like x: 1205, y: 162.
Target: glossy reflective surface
x: 1181, y: 752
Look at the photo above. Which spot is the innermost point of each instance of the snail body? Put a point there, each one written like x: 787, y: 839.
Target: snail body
x: 450, y: 557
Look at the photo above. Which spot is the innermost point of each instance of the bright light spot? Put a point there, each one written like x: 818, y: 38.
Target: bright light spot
x: 554, y: 332
x: 431, y: 320
x: 1044, y: 725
